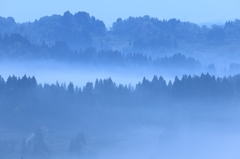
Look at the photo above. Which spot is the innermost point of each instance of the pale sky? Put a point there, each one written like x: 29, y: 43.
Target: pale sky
x: 197, y: 11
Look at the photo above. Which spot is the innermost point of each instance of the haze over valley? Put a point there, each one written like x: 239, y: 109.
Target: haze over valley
x: 72, y: 86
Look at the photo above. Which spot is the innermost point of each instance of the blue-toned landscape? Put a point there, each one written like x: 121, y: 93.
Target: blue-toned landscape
x: 144, y: 87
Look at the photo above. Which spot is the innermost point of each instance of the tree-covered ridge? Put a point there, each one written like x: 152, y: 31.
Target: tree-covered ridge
x: 76, y: 29
x: 80, y: 30
x: 27, y: 100
x: 232, y: 29
x: 148, y: 32
x: 15, y: 46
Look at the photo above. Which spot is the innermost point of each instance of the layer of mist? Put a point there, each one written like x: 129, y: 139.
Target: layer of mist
x: 144, y: 89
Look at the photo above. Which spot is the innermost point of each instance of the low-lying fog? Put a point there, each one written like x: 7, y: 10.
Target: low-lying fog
x: 177, y: 135
x: 149, y: 134
x: 168, y: 135
x: 172, y: 133
x: 149, y: 142
x: 51, y: 72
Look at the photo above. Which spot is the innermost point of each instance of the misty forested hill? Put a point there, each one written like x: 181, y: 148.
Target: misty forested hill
x: 169, y: 46
x: 23, y: 99
x: 104, y: 108
x: 147, y: 32
x: 205, y: 93
x: 15, y: 46
x: 75, y: 29
x: 138, y: 33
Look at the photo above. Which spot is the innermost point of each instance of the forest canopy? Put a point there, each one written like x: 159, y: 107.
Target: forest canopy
x: 25, y: 99
x: 81, y: 30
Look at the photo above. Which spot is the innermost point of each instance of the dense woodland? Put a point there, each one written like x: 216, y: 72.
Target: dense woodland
x: 17, y: 47
x: 152, y: 33
x: 83, y: 39
x: 75, y: 29
x: 27, y: 100
x: 135, y: 43
x: 53, y: 38
x: 82, y: 30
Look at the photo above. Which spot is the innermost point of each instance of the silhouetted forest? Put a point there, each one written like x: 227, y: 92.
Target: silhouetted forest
x: 157, y: 113
x: 27, y: 101
x: 147, y: 32
x: 75, y: 29
x: 81, y: 30
x: 17, y: 47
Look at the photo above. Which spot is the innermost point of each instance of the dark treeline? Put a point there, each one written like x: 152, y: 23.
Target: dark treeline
x: 75, y: 29
x: 24, y: 101
x: 82, y: 30
x: 17, y: 47
x: 147, y: 32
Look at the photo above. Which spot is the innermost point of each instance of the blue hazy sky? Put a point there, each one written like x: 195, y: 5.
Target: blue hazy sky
x: 197, y: 11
